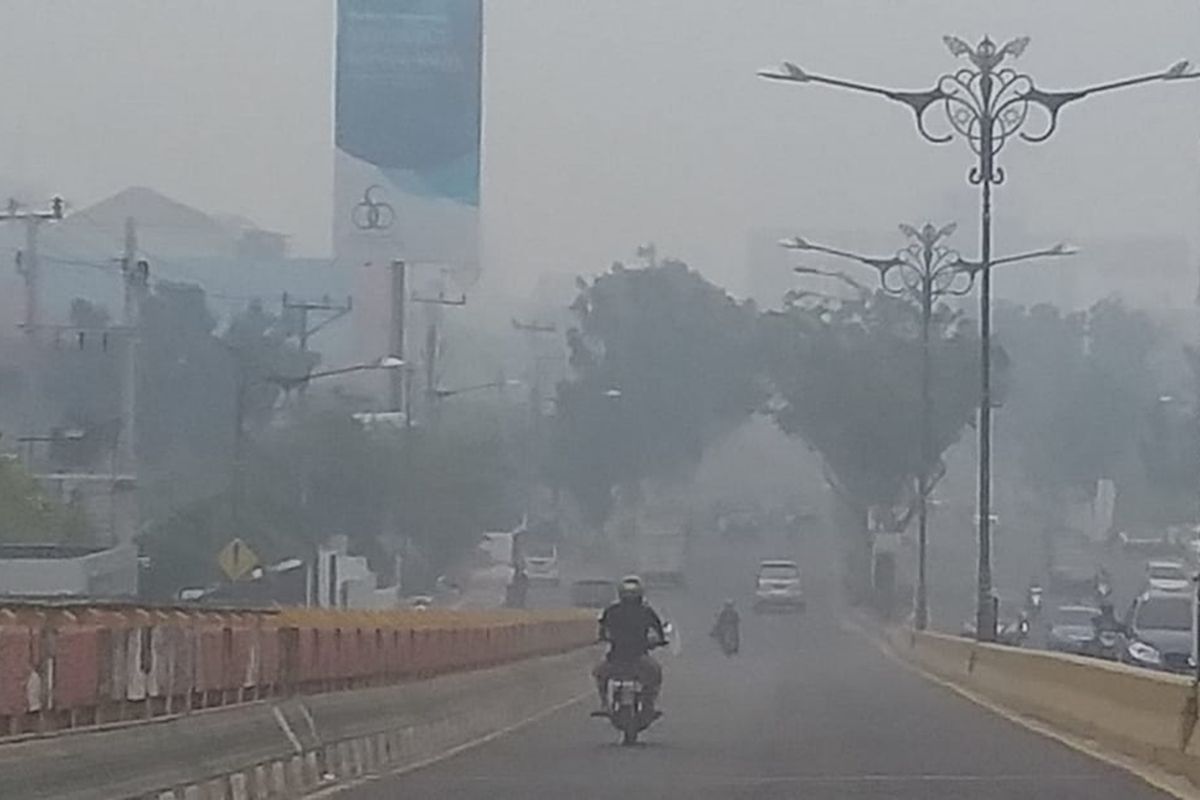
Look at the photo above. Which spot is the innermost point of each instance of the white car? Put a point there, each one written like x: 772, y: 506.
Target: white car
x: 1167, y: 576
x: 778, y: 586
x: 541, y: 564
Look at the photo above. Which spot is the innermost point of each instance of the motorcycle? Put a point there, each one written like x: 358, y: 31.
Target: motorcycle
x: 1106, y: 644
x: 1013, y: 633
x: 626, y: 711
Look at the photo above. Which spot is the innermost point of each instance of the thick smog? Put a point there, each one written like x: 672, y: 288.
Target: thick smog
x: 691, y: 399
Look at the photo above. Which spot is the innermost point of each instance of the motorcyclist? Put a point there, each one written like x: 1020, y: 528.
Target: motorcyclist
x: 1033, y: 601
x: 727, y: 625
x: 627, y: 626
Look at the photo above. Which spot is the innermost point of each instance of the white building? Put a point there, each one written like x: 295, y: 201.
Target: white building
x: 52, y: 570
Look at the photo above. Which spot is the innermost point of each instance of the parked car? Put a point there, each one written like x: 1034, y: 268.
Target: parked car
x: 1159, y: 632
x: 593, y: 593
x: 1167, y: 576
x: 1072, y: 629
x: 778, y: 587
x: 1010, y: 631
x: 1156, y: 543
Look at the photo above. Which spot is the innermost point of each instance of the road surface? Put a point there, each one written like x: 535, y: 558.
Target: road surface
x: 811, y: 709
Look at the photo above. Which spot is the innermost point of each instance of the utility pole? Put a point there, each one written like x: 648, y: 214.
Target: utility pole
x: 27, y: 259
x: 136, y: 274
x: 532, y: 331
x: 303, y: 331
x: 432, y: 346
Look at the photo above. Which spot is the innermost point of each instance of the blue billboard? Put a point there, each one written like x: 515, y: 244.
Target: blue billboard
x: 407, y: 97
x: 407, y: 115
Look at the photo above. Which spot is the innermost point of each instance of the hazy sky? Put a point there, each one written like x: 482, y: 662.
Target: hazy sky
x: 610, y: 122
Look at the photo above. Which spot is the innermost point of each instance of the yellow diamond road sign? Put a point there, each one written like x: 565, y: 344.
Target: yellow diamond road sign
x: 236, y: 560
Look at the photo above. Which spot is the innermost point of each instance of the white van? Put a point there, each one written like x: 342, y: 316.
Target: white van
x: 541, y: 563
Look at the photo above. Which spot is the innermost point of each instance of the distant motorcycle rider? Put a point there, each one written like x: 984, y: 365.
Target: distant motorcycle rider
x: 1033, y: 598
x: 627, y: 626
x: 726, y: 629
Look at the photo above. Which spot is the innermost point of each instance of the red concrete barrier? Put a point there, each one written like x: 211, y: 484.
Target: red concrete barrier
x: 77, y: 672
x: 63, y: 668
x: 17, y: 661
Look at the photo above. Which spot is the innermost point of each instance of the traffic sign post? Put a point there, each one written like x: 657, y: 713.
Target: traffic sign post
x: 237, y: 560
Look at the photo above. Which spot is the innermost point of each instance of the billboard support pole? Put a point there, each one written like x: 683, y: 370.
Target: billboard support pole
x: 396, y: 377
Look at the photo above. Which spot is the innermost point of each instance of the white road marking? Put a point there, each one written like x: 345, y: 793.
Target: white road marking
x: 308, y: 720
x: 453, y: 751
x: 286, y: 727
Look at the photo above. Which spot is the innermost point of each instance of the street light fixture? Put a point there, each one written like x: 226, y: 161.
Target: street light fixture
x: 288, y: 382
x: 924, y: 270
x: 986, y: 103
x: 442, y: 394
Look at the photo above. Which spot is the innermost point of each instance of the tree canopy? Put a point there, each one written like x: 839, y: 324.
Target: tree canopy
x: 847, y: 377
x: 664, y: 362
x: 1084, y: 390
x: 28, y: 515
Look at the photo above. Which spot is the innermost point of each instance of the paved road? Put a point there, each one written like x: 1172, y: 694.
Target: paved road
x: 811, y: 710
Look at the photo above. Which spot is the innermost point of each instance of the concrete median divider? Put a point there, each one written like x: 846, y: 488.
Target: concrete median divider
x: 1146, y: 715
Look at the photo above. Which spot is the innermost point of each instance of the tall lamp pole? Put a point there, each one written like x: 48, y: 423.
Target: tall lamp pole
x: 924, y: 270
x: 986, y: 103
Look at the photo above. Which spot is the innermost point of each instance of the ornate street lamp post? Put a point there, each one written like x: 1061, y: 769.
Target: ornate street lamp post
x: 924, y: 270
x: 986, y: 103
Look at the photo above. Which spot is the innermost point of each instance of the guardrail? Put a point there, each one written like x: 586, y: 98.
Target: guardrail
x: 70, y: 666
x: 1150, y: 716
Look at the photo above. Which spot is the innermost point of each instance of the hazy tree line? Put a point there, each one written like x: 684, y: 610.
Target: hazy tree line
x: 663, y: 363
x: 1084, y: 394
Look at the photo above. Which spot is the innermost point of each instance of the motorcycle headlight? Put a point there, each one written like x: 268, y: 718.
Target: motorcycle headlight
x: 1144, y: 653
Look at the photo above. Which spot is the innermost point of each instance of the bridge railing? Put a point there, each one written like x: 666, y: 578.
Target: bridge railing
x: 75, y: 666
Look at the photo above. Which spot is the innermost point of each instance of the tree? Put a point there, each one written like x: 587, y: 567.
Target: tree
x: 186, y: 397
x: 1085, y: 400
x: 846, y: 373
x: 323, y: 474
x: 663, y: 362
x: 259, y: 346
x: 28, y: 515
